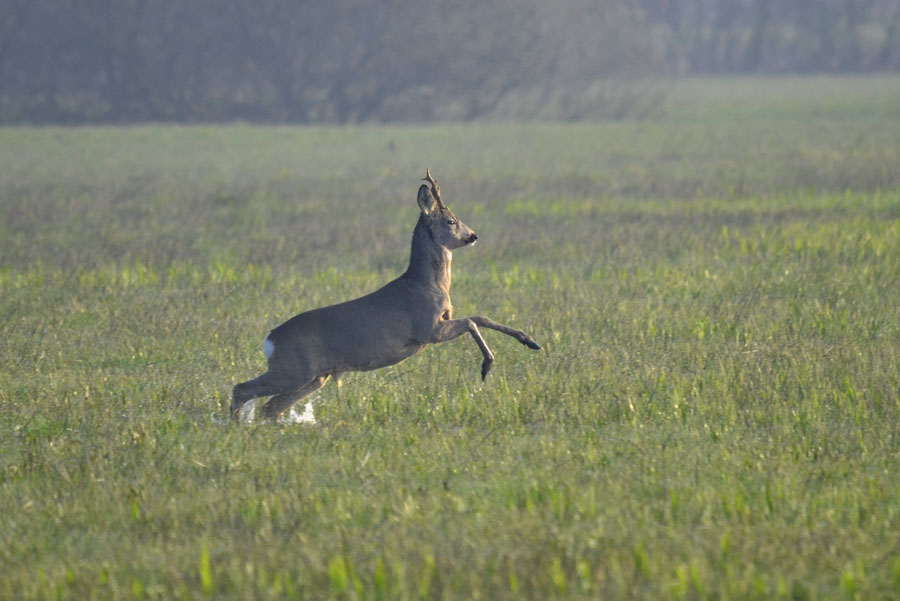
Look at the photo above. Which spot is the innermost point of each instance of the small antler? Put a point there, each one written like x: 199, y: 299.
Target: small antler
x: 435, y: 191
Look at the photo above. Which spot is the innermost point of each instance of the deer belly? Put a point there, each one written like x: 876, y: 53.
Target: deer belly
x: 361, y: 360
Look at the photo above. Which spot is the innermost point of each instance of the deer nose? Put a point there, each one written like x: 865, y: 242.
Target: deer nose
x: 471, y: 239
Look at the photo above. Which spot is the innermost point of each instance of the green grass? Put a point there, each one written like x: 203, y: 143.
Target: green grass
x: 715, y: 414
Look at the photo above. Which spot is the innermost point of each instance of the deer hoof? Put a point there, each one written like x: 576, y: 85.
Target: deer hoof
x: 485, y: 368
x: 532, y: 344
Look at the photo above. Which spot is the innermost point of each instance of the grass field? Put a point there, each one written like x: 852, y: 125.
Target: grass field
x: 716, y: 413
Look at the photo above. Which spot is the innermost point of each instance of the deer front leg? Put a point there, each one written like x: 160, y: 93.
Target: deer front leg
x: 484, y: 322
x: 454, y: 328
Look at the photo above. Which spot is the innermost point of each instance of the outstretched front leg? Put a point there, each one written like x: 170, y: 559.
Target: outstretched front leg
x: 484, y: 322
x: 454, y: 328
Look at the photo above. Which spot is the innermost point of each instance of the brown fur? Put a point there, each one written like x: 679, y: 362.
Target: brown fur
x: 381, y: 328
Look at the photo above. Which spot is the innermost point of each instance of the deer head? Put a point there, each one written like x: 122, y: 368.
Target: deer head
x: 445, y: 228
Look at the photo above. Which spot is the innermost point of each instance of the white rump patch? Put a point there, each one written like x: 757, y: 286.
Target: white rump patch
x: 268, y: 348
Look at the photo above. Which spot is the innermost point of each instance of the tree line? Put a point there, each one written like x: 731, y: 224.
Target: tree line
x: 345, y: 61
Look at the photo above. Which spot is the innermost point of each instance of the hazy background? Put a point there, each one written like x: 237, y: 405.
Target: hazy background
x: 347, y: 61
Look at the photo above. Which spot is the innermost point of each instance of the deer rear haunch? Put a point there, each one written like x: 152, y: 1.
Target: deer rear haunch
x: 380, y: 329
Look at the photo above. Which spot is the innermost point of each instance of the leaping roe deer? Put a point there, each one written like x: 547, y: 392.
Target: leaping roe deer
x: 379, y: 329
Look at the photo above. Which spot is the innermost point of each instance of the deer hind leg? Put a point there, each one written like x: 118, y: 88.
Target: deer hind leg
x: 268, y: 384
x: 280, y: 402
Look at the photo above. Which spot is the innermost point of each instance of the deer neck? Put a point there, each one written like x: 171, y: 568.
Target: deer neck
x: 429, y: 262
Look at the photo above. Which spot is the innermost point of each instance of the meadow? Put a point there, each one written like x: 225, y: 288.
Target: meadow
x: 715, y: 413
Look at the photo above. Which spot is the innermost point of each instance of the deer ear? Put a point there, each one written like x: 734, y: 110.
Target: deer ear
x: 425, y: 200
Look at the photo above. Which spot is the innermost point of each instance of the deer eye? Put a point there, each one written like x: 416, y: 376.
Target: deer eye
x: 451, y: 222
